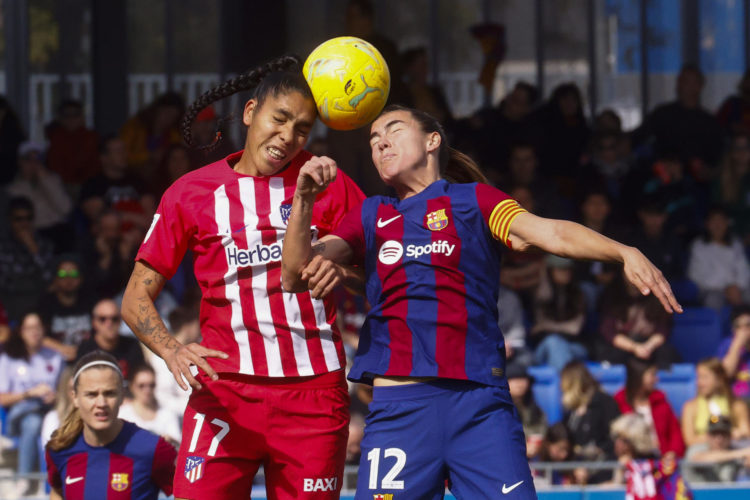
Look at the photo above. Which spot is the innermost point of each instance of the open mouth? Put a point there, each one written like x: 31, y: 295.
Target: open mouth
x: 275, y: 153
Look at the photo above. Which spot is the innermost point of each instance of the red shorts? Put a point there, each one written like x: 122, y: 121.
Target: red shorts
x: 296, y: 428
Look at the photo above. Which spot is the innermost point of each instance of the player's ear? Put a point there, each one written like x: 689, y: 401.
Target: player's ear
x: 433, y: 141
x: 247, y: 115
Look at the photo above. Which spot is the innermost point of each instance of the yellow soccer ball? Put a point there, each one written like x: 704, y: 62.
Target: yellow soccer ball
x: 349, y: 80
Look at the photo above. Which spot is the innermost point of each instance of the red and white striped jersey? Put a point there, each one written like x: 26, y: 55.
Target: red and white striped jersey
x: 234, y: 224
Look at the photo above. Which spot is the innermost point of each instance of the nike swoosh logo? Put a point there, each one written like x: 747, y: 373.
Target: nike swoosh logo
x: 383, y: 223
x: 508, y: 489
x: 71, y: 480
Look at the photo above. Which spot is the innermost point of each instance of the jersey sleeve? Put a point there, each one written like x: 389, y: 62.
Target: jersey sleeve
x: 352, y: 231
x: 167, y: 239
x: 163, y: 468
x: 53, y: 474
x: 343, y: 196
x: 499, y: 210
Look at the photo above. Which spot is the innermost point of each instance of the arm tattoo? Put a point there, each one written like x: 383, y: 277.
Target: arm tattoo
x: 319, y: 248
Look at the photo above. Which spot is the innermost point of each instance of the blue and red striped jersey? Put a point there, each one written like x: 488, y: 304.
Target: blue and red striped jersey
x: 135, y: 466
x: 432, y: 265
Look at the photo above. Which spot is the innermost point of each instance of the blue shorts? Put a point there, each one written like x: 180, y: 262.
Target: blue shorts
x: 418, y: 436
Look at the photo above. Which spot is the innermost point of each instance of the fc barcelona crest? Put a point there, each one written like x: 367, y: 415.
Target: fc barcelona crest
x: 436, y: 220
x: 194, y: 467
x: 383, y: 496
x: 119, y: 482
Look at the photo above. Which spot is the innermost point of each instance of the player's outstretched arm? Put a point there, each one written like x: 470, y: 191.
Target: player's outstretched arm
x: 297, y: 254
x: 569, y: 239
x: 139, y: 312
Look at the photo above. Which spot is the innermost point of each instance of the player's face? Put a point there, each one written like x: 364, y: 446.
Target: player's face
x: 98, y: 397
x: 277, y: 131
x: 399, y: 145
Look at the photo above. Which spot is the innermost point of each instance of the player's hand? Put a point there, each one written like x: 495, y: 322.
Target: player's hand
x: 322, y: 276
x: 648, y: 279
x: 179, y: 361
x: 315, y: 175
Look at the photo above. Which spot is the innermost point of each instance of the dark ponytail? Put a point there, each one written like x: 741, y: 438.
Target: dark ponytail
x: 455, y: 166
x: 281, y: 74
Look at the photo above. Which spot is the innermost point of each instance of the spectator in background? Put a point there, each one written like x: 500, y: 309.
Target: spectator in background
x: 734, y: 353
x: 663, y: 249
x: 718, y: 263
x: 175, y: 164
x: 561, y: 134
x: 523, y: 172
x: 143, y: 409
x: 109, y: 254
x: 73, y: 149
x: 105, y: 322
x: 683, y: 126
x: 66, y: 309
x: 681, y: 195
x: 734, y: 112
x: 52, y: 205
x: 26, y: 260
x: 559, y: 316
x: 719, y: 460
x: 641, y: 396
x: 185, y: 328
x: 420, y: 93
x: 4, y: 328
x: 148, y: 134
x: 354, y: 442
x: 607, y: 121
x: 205, y: 127
x: 11, y: 136
x: 557, y: 446
x: 512, y: 323
x: 731, y: 187
x: 532, y: 417
x: 497, y: 129
x: 589, y: 411
x: 63, y: 405
x: 714, y: 399
x: 117, y: 189
x: 633, y: 325
x: 28, y: 376
x: 607, y: 167
x: 645, y: 476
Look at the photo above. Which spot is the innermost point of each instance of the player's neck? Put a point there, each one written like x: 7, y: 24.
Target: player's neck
x: 102, y: 437
x: 412, y: 183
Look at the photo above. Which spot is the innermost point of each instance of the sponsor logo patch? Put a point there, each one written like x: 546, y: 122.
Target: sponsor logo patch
x: 320, y: 484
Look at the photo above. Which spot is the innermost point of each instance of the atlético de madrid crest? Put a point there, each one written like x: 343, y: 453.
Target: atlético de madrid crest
x: 286, y: 211
x: 436, y: 220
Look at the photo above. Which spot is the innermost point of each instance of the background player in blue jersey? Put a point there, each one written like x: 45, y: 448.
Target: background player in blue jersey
x: 430, y: 344
x: 96, y: 456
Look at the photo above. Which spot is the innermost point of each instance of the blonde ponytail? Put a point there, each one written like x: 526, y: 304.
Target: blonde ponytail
x: 69, y: 430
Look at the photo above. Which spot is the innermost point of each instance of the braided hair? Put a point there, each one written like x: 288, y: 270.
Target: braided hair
x: 280, y: 75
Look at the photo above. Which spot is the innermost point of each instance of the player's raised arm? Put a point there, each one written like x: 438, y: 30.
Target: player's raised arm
x: 304, y: 266
x: 139, y: 312
x: 569, y: 239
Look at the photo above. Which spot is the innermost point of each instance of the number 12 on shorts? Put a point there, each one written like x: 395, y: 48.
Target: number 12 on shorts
x: 389, y: 480
x: 200, y: 417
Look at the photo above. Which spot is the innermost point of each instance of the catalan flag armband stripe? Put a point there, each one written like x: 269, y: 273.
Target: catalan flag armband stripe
x: 502, y: 216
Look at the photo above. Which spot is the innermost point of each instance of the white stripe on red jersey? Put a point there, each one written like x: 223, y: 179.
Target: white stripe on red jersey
x: 235, y: 226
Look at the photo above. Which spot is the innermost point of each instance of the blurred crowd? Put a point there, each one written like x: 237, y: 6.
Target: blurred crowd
x: 76, y: 207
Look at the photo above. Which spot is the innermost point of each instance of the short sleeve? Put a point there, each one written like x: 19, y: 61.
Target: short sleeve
x: 343, y: 195
x: 499, y: 210
x: 53, y: 474
x: 352, y: 231
x: 167, y: 239
x: 162, y: 472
